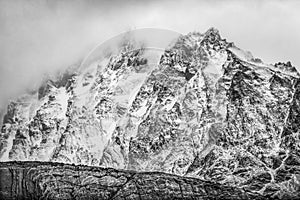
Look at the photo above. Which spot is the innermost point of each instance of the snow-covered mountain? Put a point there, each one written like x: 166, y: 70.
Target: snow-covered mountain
x: 202, y: 108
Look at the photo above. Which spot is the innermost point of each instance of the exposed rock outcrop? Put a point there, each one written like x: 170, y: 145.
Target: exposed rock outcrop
x: 36, y: 180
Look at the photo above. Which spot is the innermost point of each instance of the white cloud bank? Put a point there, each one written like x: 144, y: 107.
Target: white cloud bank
x: 38, y: 37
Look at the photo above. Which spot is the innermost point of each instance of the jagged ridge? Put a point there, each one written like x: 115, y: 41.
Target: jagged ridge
x: 206, y: 109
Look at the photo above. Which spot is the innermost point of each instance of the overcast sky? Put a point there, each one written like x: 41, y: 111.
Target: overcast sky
x: 38, y: 37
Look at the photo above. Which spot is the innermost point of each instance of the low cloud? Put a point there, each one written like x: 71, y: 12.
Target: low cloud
x: 42, y: 37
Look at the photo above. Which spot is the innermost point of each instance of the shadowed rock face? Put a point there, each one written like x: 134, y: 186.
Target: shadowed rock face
x: 203, y: 108
x: 36, y: 180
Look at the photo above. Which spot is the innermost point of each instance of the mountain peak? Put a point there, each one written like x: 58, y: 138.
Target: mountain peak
x: 206, y: 109
x: 212, y: 31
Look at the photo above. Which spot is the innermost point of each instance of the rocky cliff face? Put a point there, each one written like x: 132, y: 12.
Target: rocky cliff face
x: 35, y: 180
x: 203, y: 108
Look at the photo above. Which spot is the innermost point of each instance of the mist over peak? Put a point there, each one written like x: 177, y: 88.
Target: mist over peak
x: 44, y: 37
